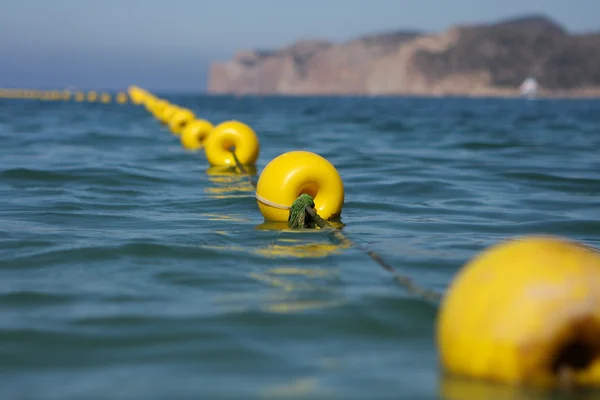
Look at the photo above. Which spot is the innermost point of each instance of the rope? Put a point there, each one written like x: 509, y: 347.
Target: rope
x: 299, y: 218
x: 402, y: 280
x: 270, y: 203
x: 244, y: 171
x: 241, y: 167
x: 303, y: 215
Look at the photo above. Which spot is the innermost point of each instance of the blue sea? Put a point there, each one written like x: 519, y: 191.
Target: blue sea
x: 131, y: 270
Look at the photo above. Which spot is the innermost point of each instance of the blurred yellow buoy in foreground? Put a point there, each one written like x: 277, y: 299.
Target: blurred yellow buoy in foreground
x: 195, y: 134
x: 525, y: 312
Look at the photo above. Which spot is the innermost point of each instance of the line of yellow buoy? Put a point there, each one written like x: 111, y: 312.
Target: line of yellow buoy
x: 523, y: 312
x: 79, y: 96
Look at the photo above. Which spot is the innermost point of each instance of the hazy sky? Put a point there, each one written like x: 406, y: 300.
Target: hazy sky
x: 168, y: 44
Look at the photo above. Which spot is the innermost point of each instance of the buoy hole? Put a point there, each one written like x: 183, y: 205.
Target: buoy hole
x: 310, y: 189
x: 202, y: 136
x: 576, y: 355
x: 229, y: 146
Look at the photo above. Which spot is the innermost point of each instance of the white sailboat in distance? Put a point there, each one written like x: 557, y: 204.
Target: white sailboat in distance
x: 529, y: 88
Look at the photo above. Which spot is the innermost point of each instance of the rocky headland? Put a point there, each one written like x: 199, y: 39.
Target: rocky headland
x: 477, y: 60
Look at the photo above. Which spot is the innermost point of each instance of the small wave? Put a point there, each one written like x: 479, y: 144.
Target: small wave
x: 556, y: 181
x: 31, y: 298
x: 88, y: 254
x: 393, y: 126
x: 109, y: 177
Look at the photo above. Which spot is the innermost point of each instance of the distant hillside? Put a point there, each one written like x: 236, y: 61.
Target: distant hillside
x: 490, y: 59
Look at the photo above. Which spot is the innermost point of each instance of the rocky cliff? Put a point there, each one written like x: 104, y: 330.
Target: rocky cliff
x: 491, y: 59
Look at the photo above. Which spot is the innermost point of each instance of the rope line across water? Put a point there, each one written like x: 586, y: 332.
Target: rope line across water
x: 310, y: 218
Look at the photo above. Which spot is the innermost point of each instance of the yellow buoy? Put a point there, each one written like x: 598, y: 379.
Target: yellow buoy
x: 105, y: 98
x: 167, y: 113
x: 195, y: 134
x: 156, y: 107
x: 79, y: 96
x: 66, y: 95
x: 291, y: 174
x: 136, y: 94
x: 121, y: 98
x: 179, y: 120
x: 525, y: 312
x: 92, y: 96
x: 228, y: 136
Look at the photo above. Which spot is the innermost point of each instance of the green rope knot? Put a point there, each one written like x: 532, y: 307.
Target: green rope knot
x: 299, y: 215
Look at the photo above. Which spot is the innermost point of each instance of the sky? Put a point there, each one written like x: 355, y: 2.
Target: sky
x: 169, y: 44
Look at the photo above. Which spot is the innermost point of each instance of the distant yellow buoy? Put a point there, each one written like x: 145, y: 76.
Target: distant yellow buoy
x: 66, y: 95
x: 195, y: 134
x: 121, y: 98
x: 228, y: 136
x: 105, y: 98
x: 525, y: 312
x: 79, y: 96
x: 167, y: 113
x: 294, y: 173
x: 92, y: 96
x: 136, y: 94
x: 157, y: 108
x: 179, y: 120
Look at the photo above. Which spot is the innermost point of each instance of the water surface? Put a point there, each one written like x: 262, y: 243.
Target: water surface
x: 129, y: 269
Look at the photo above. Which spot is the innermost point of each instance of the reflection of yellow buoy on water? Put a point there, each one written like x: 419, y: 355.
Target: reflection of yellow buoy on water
x: 289, y: 280
x: 294, y: 173
x: 459, y: 388
x: 105, y: 98
x: 92, y: 96
x: 231, y: 172
x: 284, y: 290
x: 230, y: 181
x: 195, y: 134
x: 525, y: 312
x: 228, y: 136
x: 179, y: 120
x: 301, y: 250
x: 267, y: 225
